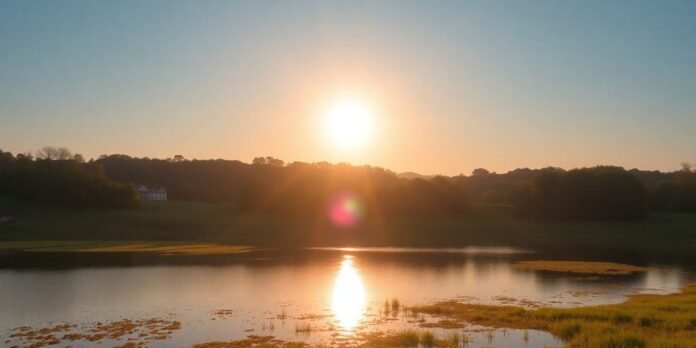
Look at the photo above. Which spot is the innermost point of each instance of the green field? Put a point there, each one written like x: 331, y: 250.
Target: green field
x: 661, y: 237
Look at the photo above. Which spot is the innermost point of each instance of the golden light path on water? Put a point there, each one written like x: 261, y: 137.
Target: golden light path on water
x: 348, y: 297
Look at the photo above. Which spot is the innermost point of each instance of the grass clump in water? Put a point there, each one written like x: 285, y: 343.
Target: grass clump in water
x: 395, y: 305
x: 414, y: 338
x: 304, y: 327
x: 427, y: 339
x: 453, y: 339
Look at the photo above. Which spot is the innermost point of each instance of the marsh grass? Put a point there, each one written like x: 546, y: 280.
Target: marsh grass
x: 427, y: 339
x: 403, y: 338
x: 62, y: 334
x: 303, y: 327
x: 252, y: 341
x: 395, y: 305
x: 454, y: 339
x: 641, y: 321
x: 267, y: 326
x: 582, y: 267
x: 415, y: 338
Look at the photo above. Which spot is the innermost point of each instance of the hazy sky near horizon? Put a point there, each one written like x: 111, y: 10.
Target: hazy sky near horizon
x: 455, y: 85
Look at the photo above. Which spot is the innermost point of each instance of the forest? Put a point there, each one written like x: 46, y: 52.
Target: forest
x: 55, y: 175
x: 269, y: 185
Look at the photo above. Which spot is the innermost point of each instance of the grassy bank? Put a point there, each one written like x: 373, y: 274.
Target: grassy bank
x: 664, y: 238
x: 159, y: 247
x: 641, y: 321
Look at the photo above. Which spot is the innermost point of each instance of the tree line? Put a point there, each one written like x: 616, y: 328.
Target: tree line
x: 269, y: 185
x: 598, y: 192
x: 56, y: 175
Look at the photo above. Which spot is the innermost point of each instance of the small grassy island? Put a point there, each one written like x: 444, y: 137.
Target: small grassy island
x: 582, y: 267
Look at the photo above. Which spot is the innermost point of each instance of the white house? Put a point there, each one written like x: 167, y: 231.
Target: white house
x: 147, y: 194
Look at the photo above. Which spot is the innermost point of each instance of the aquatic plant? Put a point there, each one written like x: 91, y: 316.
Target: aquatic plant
x: 141, y: 329
x: 427, y: 339
x: 407, y: 338
x: 387, y: 308
x: 453, y: 338
x: 252, y: 341
x: 395, y: 305
x: 489, y: 336
x: 305, y: 327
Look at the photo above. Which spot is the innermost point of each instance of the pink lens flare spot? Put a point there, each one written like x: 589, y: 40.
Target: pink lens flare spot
x: 345, y: 210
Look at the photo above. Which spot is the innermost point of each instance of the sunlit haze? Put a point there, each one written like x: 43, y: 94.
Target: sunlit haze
x: 440, y: 87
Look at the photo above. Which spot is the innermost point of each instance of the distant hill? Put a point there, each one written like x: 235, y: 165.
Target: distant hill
x: 412, y: 175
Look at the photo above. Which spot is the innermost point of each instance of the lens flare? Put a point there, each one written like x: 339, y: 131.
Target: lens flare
x: 345, y: 210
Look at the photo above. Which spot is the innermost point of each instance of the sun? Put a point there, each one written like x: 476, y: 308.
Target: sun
x: 348, y: 123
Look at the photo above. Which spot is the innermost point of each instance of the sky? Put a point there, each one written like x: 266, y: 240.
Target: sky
x: 451, y: 85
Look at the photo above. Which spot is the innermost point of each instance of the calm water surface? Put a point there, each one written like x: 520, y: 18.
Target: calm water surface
x: 339, y: 293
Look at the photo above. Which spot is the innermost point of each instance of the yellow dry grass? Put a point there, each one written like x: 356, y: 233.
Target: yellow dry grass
x: 641, y: 321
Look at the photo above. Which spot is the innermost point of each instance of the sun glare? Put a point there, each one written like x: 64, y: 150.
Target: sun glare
x: 349, y: 123
x: 348, y: 298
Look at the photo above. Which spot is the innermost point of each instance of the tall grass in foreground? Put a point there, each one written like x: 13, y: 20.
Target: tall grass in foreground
x: 641, y: 321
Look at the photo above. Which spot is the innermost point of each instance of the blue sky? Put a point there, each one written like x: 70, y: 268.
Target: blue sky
x: 456, y: 84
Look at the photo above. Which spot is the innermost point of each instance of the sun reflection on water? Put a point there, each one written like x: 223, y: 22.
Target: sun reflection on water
x: 348, y: 297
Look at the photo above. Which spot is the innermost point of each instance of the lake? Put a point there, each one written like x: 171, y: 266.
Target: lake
x: 320, y: 295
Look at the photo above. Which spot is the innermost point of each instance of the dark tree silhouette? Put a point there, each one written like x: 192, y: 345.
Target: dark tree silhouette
x: 57, y: 176
x: 269, y: 185
x: 54, y: 153
x: 480, y: 171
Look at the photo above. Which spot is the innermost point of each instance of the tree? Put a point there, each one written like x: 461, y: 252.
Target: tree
x: 52, y: 153
x: 268, y: 160
x: 480, y: 171
x: 179, y: 158
x: 271, y: 161
x: 587, y: 193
